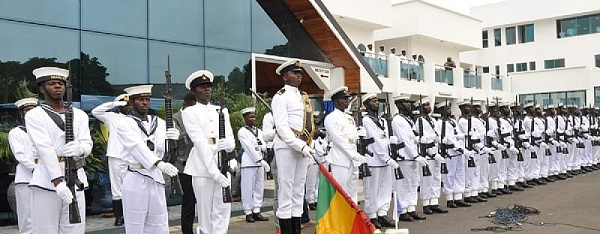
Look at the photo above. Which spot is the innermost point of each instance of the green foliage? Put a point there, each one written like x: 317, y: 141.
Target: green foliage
x: 99, y: 133
x: 5, y: 152
x: 161, y: 113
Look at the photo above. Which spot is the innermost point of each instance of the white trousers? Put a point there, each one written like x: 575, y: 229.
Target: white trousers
x: 455, y: 179
x: 544, y: 162
x: 213, y: 214
x: 23, y: 195
x: 512, y: 168
x: 494, y: 168
x: 430, y: 185
x: 554, y: 163
x: 292, y: 166
x: 503, y: 169
x: 483, y: 164
x: 378, y: 191
x: 312, y: 183
x: 144, y: 205
x: 406, y: 188
x: 116, y: 169
x: 51, y: 214
x: 531, y: 164
x: 252, y: 189
x: 471, y: 177
x: 348, y: 179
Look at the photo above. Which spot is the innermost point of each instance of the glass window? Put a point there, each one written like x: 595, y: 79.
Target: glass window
x: 567, y: 28
x: 185, y: 59
x: 511, y: 36
x: 227, y: 24
x: 578, y: 26
x: 176, y: 20
x: 124, y: 58
x: 596, y: 96
x: 558, y: 97
x: 526, y: 33
x: 497, y: 37
x: 63, y: 13
x: 115, y: 16
x: 583, y: 25
x: 576, y: 97
x: 484, y: 35
x: 510, y: 68
x: 497, y: 70
x: 233, y: 66
x: 595, y: 23
x: 554, y: 63
x: 521, y: 67
x: 486, y: 69
x: 269, y: 36
x: 597, y: 57
x: 532, y: 65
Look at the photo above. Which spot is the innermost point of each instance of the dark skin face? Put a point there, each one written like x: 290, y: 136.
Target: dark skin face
x: 293, y: 78
x: 203, y: 92
x: 140, y: 107
x: 494, y: 112
x: 426, y: 108
x: 341, y: 103
x: 465, y: 109
x: 551, y: 112
x: 403, y: 106
x: 250, y: 119
x: 477, y: 110
x: 530, y: 111
x: 372, y: 106
x: 53, y: 91
x: 505, y: 111
x: 538, y: 111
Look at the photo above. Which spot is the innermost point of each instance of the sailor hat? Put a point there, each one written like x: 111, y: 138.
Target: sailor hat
x: 290, y: 65
x: 436, y: 115
x: 139, y: 91
x: 423, y: 101
x: 248, y: 110
x: 316, y: 113
x: 441, y: 104
x: 367, y: 97
x: 529, y: 104
x: 197, y: 78
x: 122, y: 97
x: 25, y: 102
x: 338, y: 93
x: 463, y: 102
x: 550, y: 106
x: 476, y: 103
x: 504, y: 104
x: 50, y: 73
x: 402, y: 97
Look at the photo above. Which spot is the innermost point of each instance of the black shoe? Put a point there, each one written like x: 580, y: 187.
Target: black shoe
x: 406, y: 217
x: 482, y: 195
x: 438, y: 209
x: 118, y: 211
x: 259, y: 217
x: 595, y: 166
x: 561, y: 176
x: 488, y: 194
x: 532, y: 183
x: 249, y: 218
x: 570, y: 174
x: 427, y: 210
x: 554, y: 177
x: 525, y: 185
x: 376, y: 223
x: 505, y: 191
x: 312, y: 206
x: 497, y: 192
x: 386, y: 222
x: 416, y: 216
x: 589, y: 169
x: 515, y: 188
x: 451, y: 204
x: 461, y: 203
x: 480, y: 199
x: 470, y: 200
x: 549, y: 179
x: 119, y: 221
x: 540, y: 182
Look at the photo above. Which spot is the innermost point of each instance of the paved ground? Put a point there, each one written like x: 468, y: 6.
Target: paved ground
x: 573, y: 202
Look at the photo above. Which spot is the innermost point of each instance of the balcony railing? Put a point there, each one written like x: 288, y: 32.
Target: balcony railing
x: 472, y: 80
x: 411, y: 70
x: 444, y: 75
x: 378, y: 63
x: 496, y: 82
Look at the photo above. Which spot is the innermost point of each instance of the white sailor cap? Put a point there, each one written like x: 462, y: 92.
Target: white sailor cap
x: 463, y: 102
x: 316, y: 113
x: 537, y: 106
x: 248, y: 110
x: 380, y: 46
x: 436, y: 115
x: 529, y: 104
x: 122, y: 97
x: 50, y: 73
x: 290, y: 65
x: 560, y: 104
x: 476, y: 103
x: 197, y: 78
x: 367, y: 97
x: 338, y: 93
x: 139, y: 91
x: 393, y: 48
x: 25, y: 102
x: 550, y: 107
x: 402, y: 97
x: 503, y: 104
x: 441, y: 104
x: 423, y: 101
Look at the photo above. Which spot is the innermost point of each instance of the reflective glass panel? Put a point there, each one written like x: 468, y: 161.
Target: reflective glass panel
x: 184, y: 60
x: 48, y: 42
x: 176, y: 20
x: 115, y: 16
x: 61, y: 13
x: 266, y: 34
x: 511, y: 36
x: 233, y: 66
x: 227, y: 24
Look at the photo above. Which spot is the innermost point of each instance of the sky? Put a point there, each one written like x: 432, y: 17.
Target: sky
x: 461, y: 6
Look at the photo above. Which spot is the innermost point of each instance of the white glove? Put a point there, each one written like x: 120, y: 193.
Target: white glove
x: 167, y: 168
x: 491, y: 133
x: 73, y: 149
x: 439, y: 158
x: 308, y: 152
x: 513, y: 150
x: 64, y: 193
x: 359, y: 158
x: 421, y: 161
x: 537, y: 133
x: 446, y: 141
x: 120, y: 103
x: 221, y: 179
x: 222, y: 144
x: 587, y: 136
x: 460, y: 137
x: 394, y: 140
x: 555, y: 142
x: 431, y: 151
x: 426, y: 140
x: 544, y: 145
x: 172, y: 134
x: 526, y: 145
x: 233, y: 164
x: 270, y: 145
x: 549, y: 132
x: 501, y: 147
x: 392, y: 163
x: 469, y: 153
x: 486, y: 150
x: 265, y: 165
x: 563, y: 145
x: 361, y: 132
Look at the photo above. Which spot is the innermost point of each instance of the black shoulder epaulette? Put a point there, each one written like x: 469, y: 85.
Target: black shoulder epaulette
x: 281, y: 91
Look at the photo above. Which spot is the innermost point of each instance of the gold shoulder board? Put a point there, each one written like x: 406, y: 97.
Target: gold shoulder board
x: 281, y: 91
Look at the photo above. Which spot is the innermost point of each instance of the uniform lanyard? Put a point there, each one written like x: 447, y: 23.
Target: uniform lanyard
x: 377, y: 121
x: 254, y: 132
x: 153, y: 127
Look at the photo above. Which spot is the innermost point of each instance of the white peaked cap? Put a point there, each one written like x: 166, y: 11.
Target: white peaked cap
x: 528, y: 104
x: 122, y: 97
x: 140, y: 90
x: 368, y: 96
x: 537, y: 105
x: 248, y: 110
x: 476, y: 103
x: 332, y: 93
x: 26, y: 102
x: 290, y: 65
x: 205, y: 76
x: 402, y: 97
x: 50, y: 73
x: 560, y: 104
x: 316, y: 113
x: 463, y: 102
x: 436, y: 115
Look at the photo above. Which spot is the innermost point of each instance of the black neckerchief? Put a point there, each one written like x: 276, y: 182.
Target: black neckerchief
x: 153, y: 126
x: 377, y: 121
x: 407, y: 120
x: 23, y: 128
x: 430, y: 123
x: 55, y: 116
x: 254, y: 131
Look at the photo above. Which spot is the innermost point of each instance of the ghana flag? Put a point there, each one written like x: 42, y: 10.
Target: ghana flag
x: 336, y: 212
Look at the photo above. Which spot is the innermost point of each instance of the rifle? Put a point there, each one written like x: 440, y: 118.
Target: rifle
x: 443, y: 148
x: 270, y: 153
x: 361, y: 145
x: 393, y: 148
x: 501, y: 138
x: 422, y: 150
x: 468, y: 141
x: 531, y: 138
x: 223, y: 160
x: 547, y: 137
x: 170, y: 145
x: 488, y: 139
x: 72, y: 164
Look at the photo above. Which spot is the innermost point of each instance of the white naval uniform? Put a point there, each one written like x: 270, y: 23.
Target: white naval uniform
x: 23, y: 150
x: 553, y: 164
x: 252, y: 182
x: 522, y: 137
x: 202, y: 124
x: 542, y: 160
x: 343, y: 134
x: 406, y: 188
x: 269, y: 132
x: 481, y: 159
x: 144, y: 199
x: 51, y: 214
x: 570, y: 131
x: 561, y: 129
x: 531, y: 164
x: 471, y: 173
x: 430, y: 185
x: 454, y: 181
x: 289, y: 116
x: 378, y: 186
x: 586, y: 159
x: 116, y: 166
x: 577, y: 152
x: 493, y: 178
x: 508, y: 172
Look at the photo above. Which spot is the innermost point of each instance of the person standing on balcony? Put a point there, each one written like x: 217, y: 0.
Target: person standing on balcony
x: 415, y: 68
x: 116, y: 166
x: 449, y: 64
x: 382, y: 61
x: 370, y: 53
